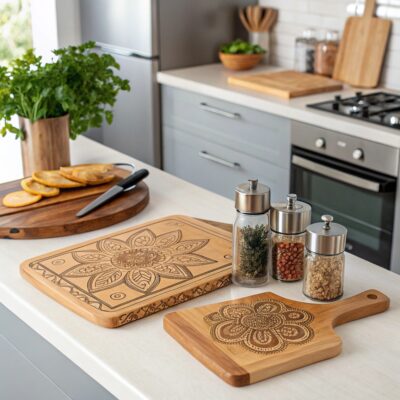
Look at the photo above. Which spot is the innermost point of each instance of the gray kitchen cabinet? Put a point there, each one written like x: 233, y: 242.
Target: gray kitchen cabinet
x: 31, y: 368
x: 217, y: 145
x: 20, y: 379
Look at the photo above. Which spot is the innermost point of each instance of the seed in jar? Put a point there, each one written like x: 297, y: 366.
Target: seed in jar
x: 324, y: 277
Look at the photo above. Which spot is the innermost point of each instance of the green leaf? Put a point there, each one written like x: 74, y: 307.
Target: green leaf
x: 109, y: 117
x: 239, y: 46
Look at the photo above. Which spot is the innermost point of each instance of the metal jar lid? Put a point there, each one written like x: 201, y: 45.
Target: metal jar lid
x: 252, y: 197
x: 326, y: 238
x: 291, y: 217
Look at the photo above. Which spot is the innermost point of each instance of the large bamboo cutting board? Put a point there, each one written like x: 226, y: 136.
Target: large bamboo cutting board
x: 286, y: 84
x: 362, y: 49
x: 56, y: 216
x: 247, y: 340
x: 120, y: 278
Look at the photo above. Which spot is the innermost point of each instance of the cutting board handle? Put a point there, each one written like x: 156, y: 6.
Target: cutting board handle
x: 369, y: 8
x: 362, y: 305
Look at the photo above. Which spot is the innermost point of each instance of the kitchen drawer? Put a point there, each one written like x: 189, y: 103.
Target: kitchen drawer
x: 218, y: 168
x: 258, y: 134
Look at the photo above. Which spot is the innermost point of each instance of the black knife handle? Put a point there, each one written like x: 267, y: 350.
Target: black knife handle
x: 133, y: 179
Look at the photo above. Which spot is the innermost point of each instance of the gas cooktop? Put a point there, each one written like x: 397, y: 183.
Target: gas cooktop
x: 380, y: 108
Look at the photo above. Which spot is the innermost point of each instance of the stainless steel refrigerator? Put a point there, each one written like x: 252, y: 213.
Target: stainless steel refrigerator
x: 146, y: 36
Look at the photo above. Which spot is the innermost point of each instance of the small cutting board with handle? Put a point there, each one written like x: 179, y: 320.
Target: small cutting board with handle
x: 286, y: 84
x: 130, y: 274
x: 247, y: 340
x: 362, y: 49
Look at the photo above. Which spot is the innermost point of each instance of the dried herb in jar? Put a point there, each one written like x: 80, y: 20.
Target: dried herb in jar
x: 253, y: 251
x: 251, y: 234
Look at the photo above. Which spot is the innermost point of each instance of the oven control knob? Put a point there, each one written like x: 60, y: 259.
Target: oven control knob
x: 320, y: 143
x: 358, y: 154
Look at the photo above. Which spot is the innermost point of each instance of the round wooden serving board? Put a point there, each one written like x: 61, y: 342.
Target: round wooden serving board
x: 58, y: 219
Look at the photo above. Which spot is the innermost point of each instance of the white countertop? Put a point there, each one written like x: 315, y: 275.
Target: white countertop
x: 140, y: 360
x: 212, y: 80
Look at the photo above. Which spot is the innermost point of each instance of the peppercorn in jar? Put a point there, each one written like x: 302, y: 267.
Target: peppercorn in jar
x: 288, y: 224
x: 324, y: 266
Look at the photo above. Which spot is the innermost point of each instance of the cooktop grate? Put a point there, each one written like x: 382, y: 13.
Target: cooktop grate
x: 380, y: 108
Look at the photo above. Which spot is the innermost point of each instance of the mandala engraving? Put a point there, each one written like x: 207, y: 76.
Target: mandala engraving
x: 266, y: 326
x: 174, y: 300
x: 139, y: 262
x: 141, y: 312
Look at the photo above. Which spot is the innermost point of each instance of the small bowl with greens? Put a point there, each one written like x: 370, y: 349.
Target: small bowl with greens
x: 240, y: 55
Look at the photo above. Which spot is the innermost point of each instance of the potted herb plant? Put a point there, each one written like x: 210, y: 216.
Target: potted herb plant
x: 57, y: 101
x: 240, y: 55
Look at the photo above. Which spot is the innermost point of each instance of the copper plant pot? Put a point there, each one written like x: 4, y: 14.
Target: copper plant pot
x: 45, y: 145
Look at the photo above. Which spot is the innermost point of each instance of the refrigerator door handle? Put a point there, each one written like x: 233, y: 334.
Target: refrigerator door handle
x: 114, y: 49
x: 122, y: 51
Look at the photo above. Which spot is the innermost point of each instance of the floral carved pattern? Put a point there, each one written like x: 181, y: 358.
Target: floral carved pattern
x: 138, y: 262
x: 266, y: 326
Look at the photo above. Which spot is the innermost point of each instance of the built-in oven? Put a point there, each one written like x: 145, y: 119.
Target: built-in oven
x: 352, y: 179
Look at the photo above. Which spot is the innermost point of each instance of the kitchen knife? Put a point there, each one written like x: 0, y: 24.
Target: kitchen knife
x: 122, y: 186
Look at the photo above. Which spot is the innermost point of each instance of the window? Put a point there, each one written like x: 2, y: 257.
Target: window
x: 15, y: 29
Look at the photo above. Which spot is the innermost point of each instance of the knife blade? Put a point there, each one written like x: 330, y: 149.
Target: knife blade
x: 124, y: 185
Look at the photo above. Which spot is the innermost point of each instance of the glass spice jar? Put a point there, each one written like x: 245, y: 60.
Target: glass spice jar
x: 325, y: 54
x: 288, y: 224
x: 324, y: 267
x: 305, y: 51
x: 251, y: 234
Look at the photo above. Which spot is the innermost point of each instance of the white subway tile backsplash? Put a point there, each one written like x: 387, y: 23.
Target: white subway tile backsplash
x: 393, y: 59
x: 282, y: 27
x: 396, y: 27
x: 292, y: 5
x: 321, y: 7
x: 391, y: 78
x: 297, y: 15
x: 282, y: 39
x: 394, y: 43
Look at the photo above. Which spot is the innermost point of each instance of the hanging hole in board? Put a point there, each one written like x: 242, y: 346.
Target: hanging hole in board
x: 372, y: 296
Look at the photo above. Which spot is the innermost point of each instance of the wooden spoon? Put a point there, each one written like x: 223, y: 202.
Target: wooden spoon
x: 257, y: 17
x: 272, y: 20
x: 244, y: 20
x: 269, y: 20
x: 264, y: 21
x: 249, y: 15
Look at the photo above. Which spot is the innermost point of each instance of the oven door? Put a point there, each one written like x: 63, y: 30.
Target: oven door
x: 361, y: 200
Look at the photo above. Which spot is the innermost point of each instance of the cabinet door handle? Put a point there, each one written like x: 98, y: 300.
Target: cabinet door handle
x: 218, y: 111
x: 207, y: 156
